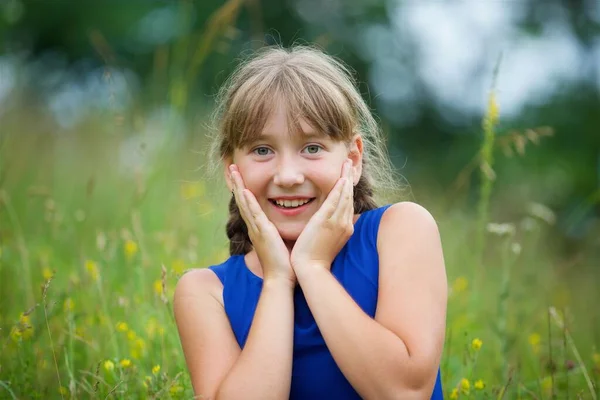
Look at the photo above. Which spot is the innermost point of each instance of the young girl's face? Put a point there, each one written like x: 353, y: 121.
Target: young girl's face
x: 285, y: 170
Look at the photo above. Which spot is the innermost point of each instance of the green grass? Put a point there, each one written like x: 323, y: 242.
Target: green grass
x: 91, y: 250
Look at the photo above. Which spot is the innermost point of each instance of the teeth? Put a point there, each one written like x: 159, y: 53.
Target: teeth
x: 291, y: 203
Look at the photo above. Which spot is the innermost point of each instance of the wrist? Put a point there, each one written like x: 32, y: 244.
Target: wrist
x: 310, y: 269
x: 279, y: 282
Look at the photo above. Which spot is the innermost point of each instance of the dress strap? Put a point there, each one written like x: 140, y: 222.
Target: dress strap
x: 219, y: 270
x: 372, y: 219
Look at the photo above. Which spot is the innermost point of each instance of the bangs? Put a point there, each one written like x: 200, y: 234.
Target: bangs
x: 250, y: 109
x: 305, y: 94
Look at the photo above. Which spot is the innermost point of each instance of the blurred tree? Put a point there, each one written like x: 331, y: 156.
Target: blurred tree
x: 182, y: 51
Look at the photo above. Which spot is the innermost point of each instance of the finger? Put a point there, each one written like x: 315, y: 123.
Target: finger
x: 350, y: 204
x: 258, y: 215
x: 345, y: 203
x: 351, y: 190
x: 342, y: 208
x: 238, y: 187
x: 238, y: 184
x: 350, y: 170
x: 333, y: 199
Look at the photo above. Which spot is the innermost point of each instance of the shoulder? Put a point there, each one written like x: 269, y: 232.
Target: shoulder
x: 198, y: 282
x: 406, y: 223
x: 406, y: 214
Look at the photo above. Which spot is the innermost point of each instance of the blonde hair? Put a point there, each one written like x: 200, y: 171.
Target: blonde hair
x: 314, y: 87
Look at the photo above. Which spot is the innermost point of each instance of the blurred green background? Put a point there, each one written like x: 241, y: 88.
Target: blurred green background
x: 104, y: 199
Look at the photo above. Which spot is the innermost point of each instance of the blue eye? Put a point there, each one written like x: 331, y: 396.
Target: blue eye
x: 313, y: 148
x: 261, y: 151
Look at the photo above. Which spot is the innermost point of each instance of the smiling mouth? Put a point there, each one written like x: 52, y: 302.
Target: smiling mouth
x: 291, y: 204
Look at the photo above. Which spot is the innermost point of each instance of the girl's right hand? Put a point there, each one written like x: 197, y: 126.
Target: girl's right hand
x: 272, y: 252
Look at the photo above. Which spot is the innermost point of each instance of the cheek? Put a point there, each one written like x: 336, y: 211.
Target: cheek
x: 255, y: 176
x: 325, y: 177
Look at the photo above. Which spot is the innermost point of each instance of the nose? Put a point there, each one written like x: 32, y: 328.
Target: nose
x: 288, y: 173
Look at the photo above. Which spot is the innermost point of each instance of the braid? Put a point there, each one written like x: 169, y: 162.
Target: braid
x: 237, y: 232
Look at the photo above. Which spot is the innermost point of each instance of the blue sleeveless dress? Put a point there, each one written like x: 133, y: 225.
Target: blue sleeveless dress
x: 315, y: 375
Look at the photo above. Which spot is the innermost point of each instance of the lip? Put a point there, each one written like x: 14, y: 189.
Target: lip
x: 291, y: 197
x: 292, y: 212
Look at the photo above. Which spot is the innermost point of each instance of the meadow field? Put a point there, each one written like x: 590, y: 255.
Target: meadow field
x: 98, y: 222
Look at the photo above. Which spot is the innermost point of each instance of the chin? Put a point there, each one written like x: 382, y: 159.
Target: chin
x: 290, y: 233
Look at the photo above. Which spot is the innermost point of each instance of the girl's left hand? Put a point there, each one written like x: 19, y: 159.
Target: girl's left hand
x: 329, y: 228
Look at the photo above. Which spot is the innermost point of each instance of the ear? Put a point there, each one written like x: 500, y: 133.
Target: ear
x: 227, y: 162
x: 355, y: 153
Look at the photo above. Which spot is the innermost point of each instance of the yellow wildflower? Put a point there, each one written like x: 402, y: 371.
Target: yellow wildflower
x: 596, y: 358
x: 80, y: 331
x: 190, y: 190
x: 122, y: 326
x: 460, y: 284
x: 178, y: 266
x: 493, y: 111
x: 125, y: 363
x: 138, y: 347
x: 130, y: 248
x: 27, y: 333
x: 534, y: 340
x: 547, y: 384
x: 479, y: 385
x: 47, y: 273
x: 69, y: 304
x: 175, y: 390
x: 63, y: 390
x: 109, y: 365
x: 24, y: 329
x: 24, y: 320
x: 147, y: 381
x: 15, y: 334
x: 158, y: 287
x: 135, y: 354
x: 454, y: 394
x: 92, y: 269
x: 131, y: 335
x: 476, y: 344
x: 465, y: 385
x: 156, y: 369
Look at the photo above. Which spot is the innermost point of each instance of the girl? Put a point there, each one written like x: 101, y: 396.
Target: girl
x: 325, y: 295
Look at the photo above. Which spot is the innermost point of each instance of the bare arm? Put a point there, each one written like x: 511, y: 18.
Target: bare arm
x: 397, y: 354
x: 219, y: 369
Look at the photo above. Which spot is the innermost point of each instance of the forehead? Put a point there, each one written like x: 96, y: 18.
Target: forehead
x: 280, y: 122
x: 282, y: 110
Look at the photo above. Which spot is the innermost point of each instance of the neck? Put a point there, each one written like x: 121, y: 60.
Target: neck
x: 289, y: 244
